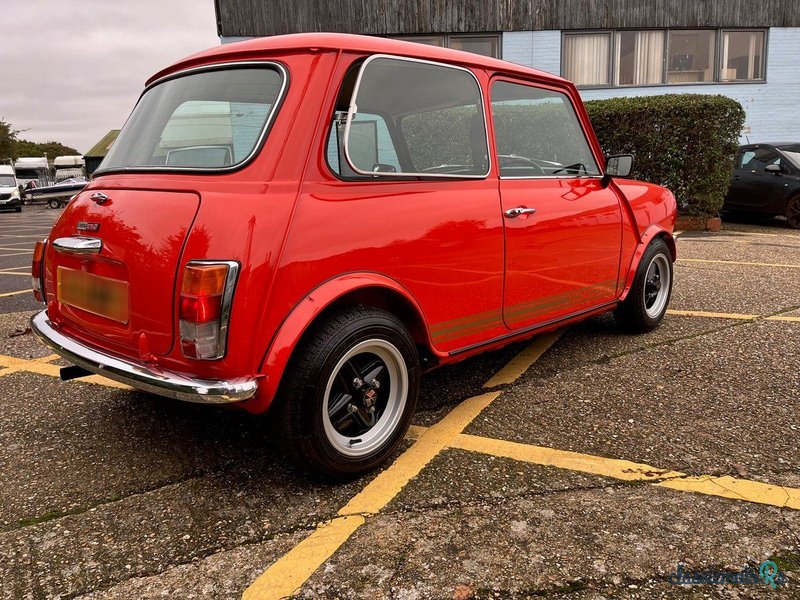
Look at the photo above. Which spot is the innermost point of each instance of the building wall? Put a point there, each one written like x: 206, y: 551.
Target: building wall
x: 393, y: 17
x: 771, y: 106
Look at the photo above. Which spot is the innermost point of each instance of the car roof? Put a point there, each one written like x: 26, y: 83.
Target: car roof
x: 773, y: 144
x: 259, y: 47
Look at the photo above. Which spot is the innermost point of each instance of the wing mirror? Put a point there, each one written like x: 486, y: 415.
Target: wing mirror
x: 776, y: 169
x: 619, y: 165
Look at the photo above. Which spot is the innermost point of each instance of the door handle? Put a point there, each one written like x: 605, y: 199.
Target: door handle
x: 78, y: 245
x: 512, y: 213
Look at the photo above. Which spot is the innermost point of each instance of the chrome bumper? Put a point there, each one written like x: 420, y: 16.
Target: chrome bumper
x: 149, y: 379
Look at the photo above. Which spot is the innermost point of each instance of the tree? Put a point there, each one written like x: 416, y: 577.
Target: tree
x: 8, y: 141
x: 52, y: 149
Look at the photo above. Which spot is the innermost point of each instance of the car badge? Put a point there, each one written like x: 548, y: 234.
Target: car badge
x: 99, y: 197
x: 86, y: 226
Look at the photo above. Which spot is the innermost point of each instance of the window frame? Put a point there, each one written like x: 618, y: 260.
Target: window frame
x: 600, y: 164
x: 282, y: 70
x: 717, y: 67
x: 721, y: 34
x: 372, y: 175
x: 445, y: 37
x: 609, y: 63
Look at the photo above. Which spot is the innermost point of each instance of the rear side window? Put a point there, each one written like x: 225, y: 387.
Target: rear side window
x: 410, y: 118
x: 538, y: 133
x: 203, y: 120
x: 757, y: 159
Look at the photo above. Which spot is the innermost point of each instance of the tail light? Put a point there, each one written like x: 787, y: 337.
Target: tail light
x: 204, y: 307
x: 37, y: 271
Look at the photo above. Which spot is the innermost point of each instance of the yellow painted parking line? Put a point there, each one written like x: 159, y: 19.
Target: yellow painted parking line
x: 17, y: 253
x: 293, y: 569
x: 41, y: 366
x: 8, y: 245
x: 710, y: 315
x: 743, y: 317
x: 783, y: 318
x: 738, y: 489
x: 725, y: 486
x: 740, y: 262
x: 38, y: 236
x: 18, y: 292
x: 572, y: 461
x: 287, y: 575
x: 746, y: 232
x: 517, y: 366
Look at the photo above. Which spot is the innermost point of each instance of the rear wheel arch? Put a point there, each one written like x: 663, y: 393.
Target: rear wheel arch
x: 336, y: 295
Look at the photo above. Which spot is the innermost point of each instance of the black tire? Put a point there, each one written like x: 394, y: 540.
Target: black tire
x: 304, y: 416
x: 54, y: 204
x: 793, y: 211
x: 641, y: 312
x: 18, y: 209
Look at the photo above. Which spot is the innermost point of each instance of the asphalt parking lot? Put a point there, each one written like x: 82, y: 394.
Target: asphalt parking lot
x: 586, y: 464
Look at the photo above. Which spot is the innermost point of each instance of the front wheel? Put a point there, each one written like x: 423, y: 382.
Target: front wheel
x: 793, y: 211
x: 350, y: 392
x: 646, y: 303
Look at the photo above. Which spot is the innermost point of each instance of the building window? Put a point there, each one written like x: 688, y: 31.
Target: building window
x: 691, y: 56
x: 742, y: 55
x: 639, y: 58
x: 586, y: 58
x: 663, y: 56
x: 486, y: 45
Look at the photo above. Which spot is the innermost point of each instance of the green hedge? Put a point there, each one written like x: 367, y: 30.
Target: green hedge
x: 685, y: 142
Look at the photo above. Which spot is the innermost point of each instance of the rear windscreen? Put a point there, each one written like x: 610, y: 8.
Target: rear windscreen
x: 203, y: 120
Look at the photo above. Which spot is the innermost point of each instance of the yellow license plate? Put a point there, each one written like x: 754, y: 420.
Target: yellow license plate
x: 98, y: 295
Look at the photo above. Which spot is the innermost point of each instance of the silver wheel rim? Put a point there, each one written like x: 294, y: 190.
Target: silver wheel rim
x: 389, y: 398
x: 656, y: 286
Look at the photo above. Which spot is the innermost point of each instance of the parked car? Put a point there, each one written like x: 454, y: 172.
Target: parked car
x: 9, y: 189
x: 309, y: 222
x: 766, y: 180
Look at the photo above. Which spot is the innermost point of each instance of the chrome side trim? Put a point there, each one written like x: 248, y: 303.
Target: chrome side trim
x: 78, y: 244
x: 143, y: 377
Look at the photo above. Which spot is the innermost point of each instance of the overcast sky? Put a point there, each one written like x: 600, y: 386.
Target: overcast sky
x: 70, y: 70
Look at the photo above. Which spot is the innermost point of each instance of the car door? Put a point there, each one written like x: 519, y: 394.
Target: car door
x: 754, y: 188
x: 562, y: 226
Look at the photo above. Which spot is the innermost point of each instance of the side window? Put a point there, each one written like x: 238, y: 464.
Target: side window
x: 370, y: 143
x: 414, y: 118
x: 758, y: 159
x: 538, y: 133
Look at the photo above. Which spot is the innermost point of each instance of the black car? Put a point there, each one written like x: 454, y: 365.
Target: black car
x: 766, y: 179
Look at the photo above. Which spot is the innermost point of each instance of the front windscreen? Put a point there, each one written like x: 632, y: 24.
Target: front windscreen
x: 792, y: 152
x: 7, y: 181
x: 204, y: 120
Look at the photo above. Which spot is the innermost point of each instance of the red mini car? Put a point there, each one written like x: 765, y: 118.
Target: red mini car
x: 314, y: 220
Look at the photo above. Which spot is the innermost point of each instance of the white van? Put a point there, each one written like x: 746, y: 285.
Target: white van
x: 9, y: 189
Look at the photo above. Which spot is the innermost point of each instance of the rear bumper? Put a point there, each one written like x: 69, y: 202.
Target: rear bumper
x: 147, y: 378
